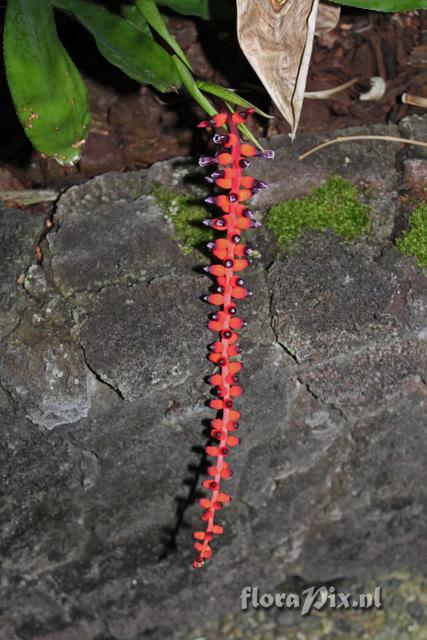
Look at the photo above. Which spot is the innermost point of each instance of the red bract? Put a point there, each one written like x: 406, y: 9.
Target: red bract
x: 233, y: 257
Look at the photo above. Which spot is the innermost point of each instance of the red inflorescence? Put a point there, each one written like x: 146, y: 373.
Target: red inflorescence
x: 233, y: 257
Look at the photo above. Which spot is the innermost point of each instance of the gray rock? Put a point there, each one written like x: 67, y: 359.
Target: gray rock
x: 44, y: 370
x: 19, y: 235
x: 146, y: 336
x: 415, y: 127
x: 330, y: 296
x: 103, y: 410
x: 110, y: 245
x: 289, y: 177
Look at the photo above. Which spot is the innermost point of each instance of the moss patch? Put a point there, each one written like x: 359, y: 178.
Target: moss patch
x: 414, y: 241
x: 186, y: 216
x: 334, y: 206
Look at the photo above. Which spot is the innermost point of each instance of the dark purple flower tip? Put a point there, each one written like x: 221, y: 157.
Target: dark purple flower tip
x: 207, y: 268
x: 233, y: 197
x: 208, y: 222
x: 219, y: 138
x: 245, y: 164
x: 248, y: 251
x: 250, y: 293
x: 268, y: 154
x: 205, y: 160
x: 217, y: 174
x: 256, y: 224
x: 235, y: 239
x: 211, y: 245
x: 210, y: 200
x: 209, y: 179
x: 247, y: 213
x: 260, y: 184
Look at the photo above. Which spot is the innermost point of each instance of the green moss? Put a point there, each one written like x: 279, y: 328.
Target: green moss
x: 334, y: 206
x: 186, y: 216
x: 414, y: 241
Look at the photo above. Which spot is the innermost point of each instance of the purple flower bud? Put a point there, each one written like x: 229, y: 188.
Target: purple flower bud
x: 245, y: 164
x: 211, y: 245
x: 205, y: 160
x: 208, y: 222
x: 268, y: 154
x: 260, y: 184
x: 217, y: 174
x: 210, y: 200
x: 256, y: 224
x: 209, y: 179
x: 233, y: 197
x: 219, y: 138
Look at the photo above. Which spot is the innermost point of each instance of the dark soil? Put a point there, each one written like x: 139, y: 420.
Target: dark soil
x: 134, y: 126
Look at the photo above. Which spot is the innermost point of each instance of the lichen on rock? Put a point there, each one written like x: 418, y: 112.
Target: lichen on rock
x: 186, y: 215
x: 414, y: 240
x: 334, y: 206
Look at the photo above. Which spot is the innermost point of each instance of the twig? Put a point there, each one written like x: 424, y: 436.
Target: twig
x: 326, y: 93
x: 352, y: 138
x: 28, y: 197
x: 416, y: 101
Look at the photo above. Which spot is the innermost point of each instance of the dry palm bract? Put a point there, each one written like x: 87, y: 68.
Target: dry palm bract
x: 277, y: 39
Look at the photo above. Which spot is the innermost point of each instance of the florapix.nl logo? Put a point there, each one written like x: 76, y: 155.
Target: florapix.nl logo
x: 310, y: 598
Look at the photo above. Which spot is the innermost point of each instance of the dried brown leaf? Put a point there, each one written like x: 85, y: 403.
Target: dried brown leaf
x: 277, y: 39
x: 327, y: 18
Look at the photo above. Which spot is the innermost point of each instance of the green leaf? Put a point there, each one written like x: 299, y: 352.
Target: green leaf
x: 385, y: 5
x: 132, y: 15
x: 124, y: 46
x: 150, y: 12
x: 47, y: 90
x: 192, y: 88
x: 229, y: 95
x: 206, y: 9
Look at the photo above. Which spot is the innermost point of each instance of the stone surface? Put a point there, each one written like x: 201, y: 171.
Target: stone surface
x: 110, y: 244
x: 103, y: 408
x: 415, y: 175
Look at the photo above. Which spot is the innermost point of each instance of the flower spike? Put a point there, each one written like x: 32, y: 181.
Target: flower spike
x: 232, y: 258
